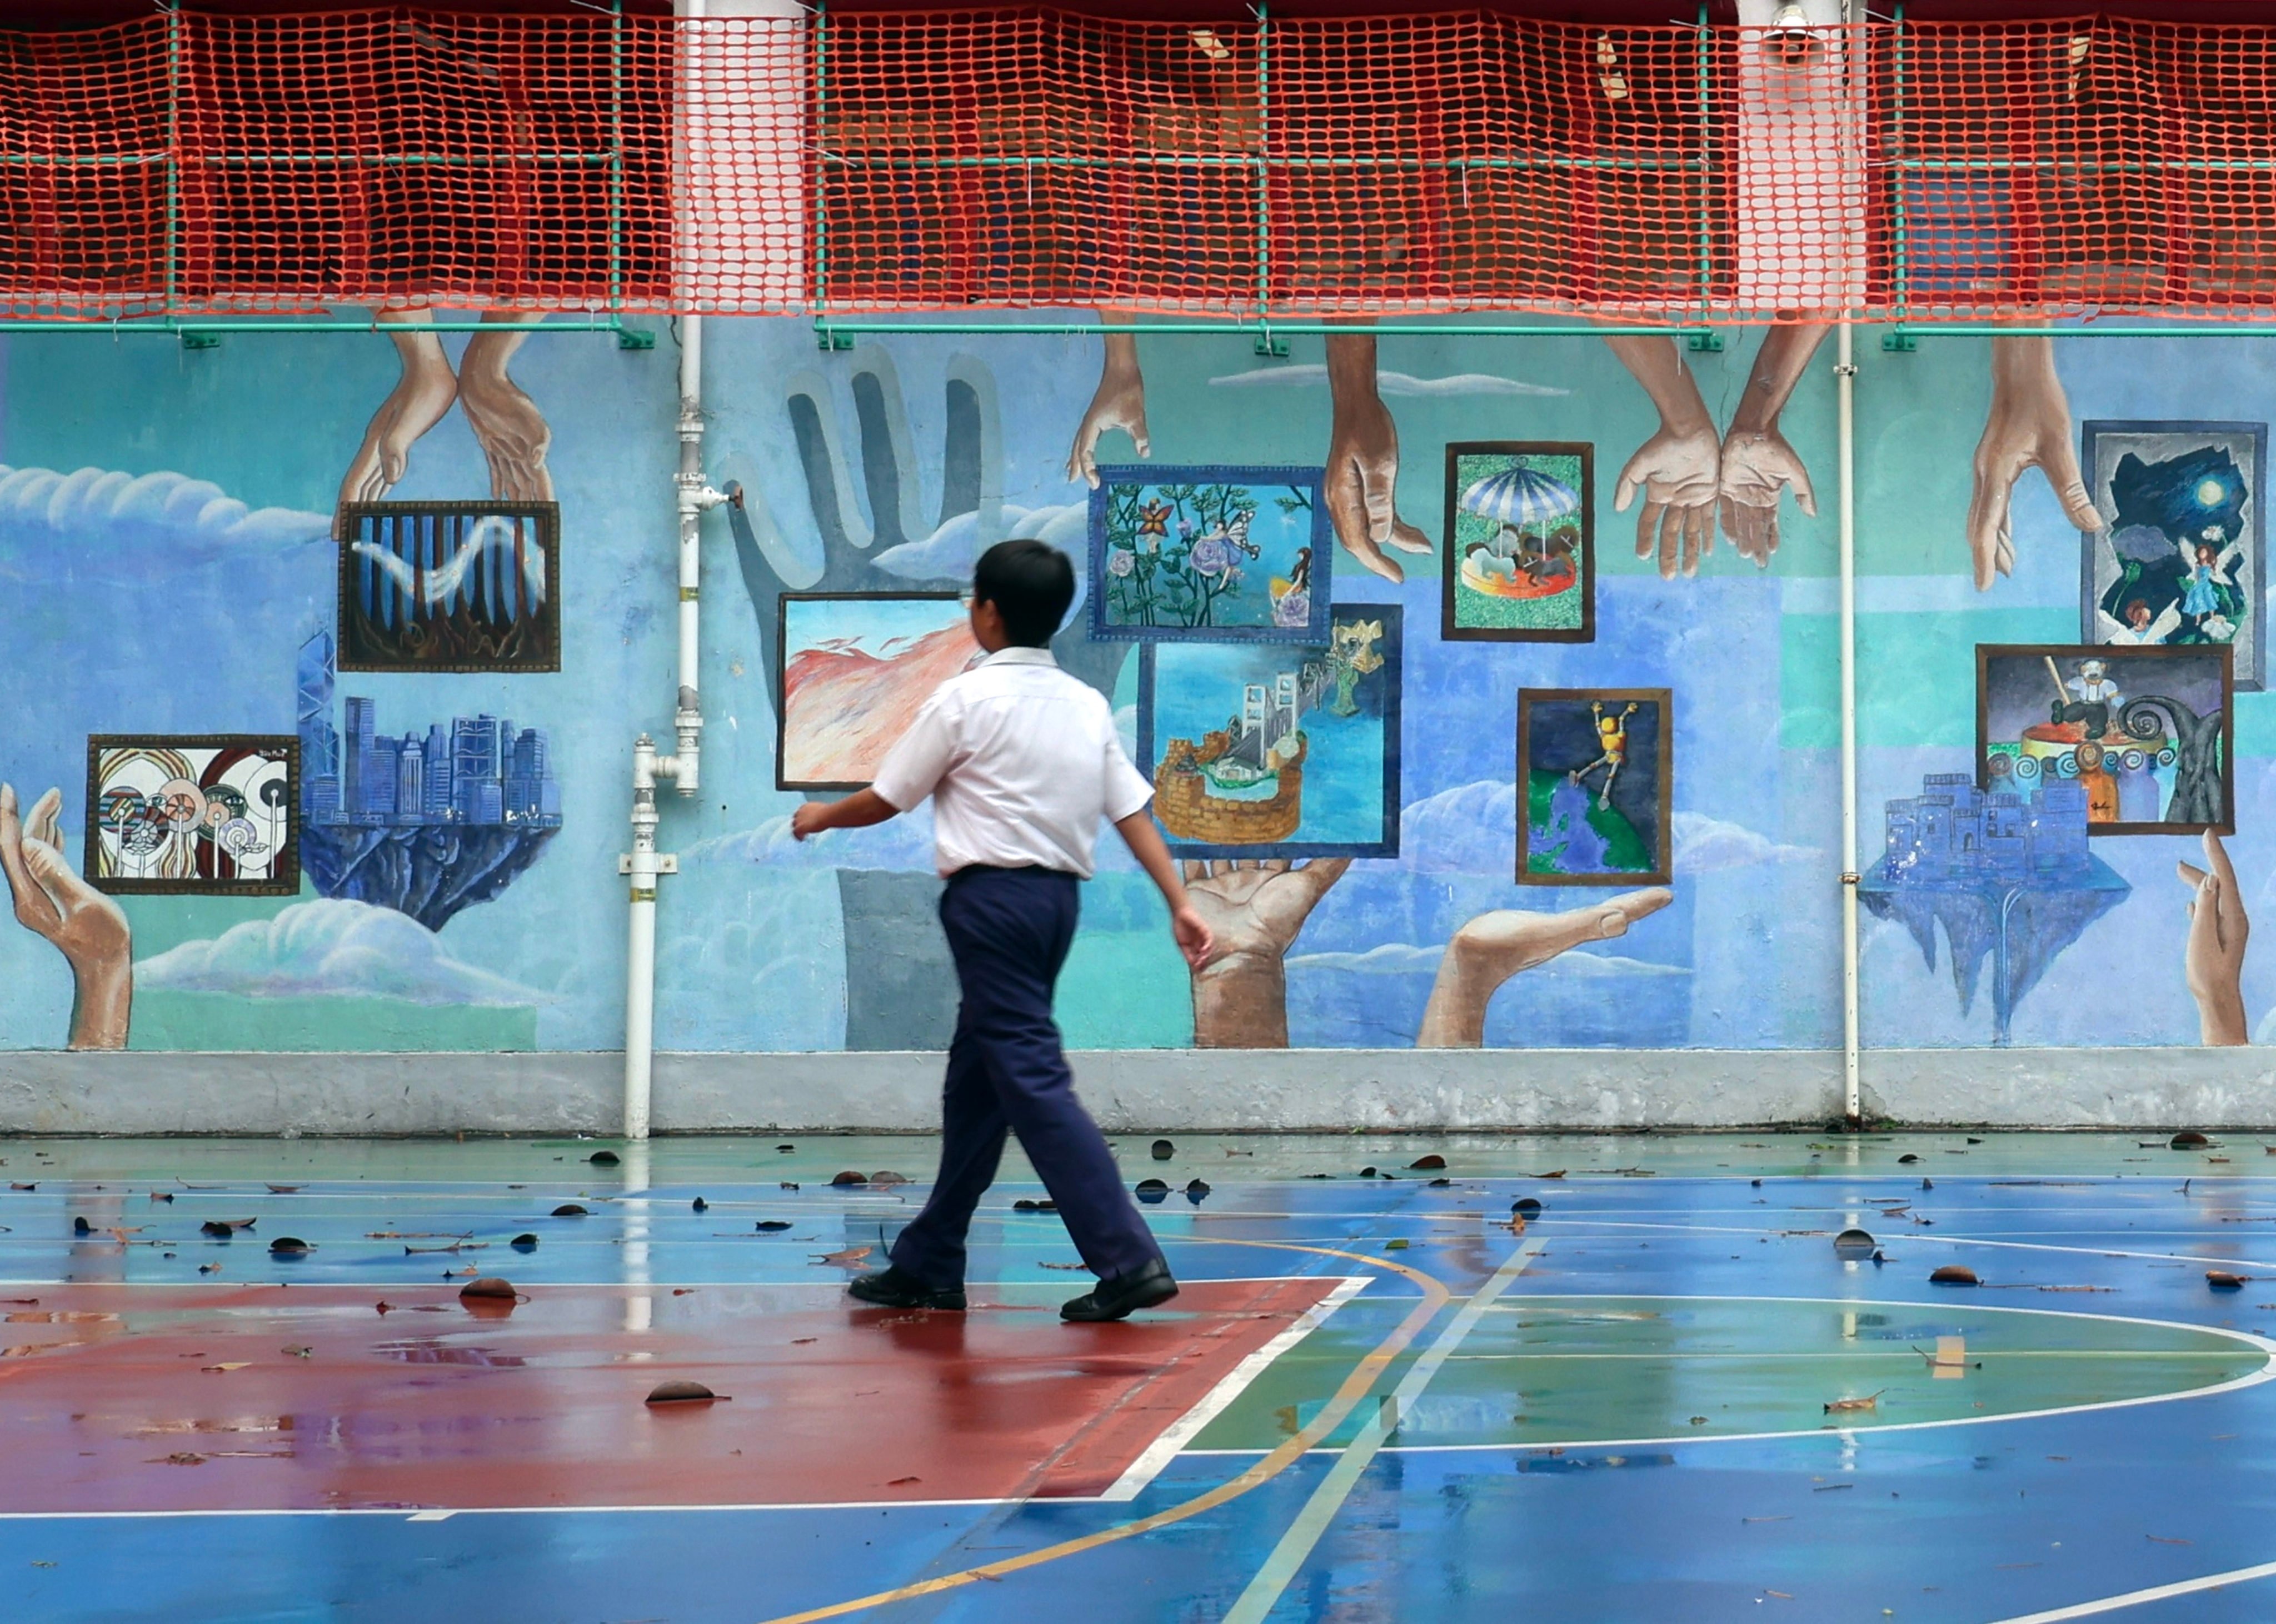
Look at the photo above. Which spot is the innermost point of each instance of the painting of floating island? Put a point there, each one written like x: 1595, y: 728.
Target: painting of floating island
x: 207, y: 814
x: 1276, y: 750
x: 1520, y: 542
x: 1210, y: 554
x: 2144, y: 732
x: 2008, y: 875
x: 1595, y: 772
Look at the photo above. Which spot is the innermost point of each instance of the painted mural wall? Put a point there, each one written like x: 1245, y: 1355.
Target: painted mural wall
x: 1489, y: 687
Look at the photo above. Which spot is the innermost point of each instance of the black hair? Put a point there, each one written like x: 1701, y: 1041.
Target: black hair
x: 1031, y: 583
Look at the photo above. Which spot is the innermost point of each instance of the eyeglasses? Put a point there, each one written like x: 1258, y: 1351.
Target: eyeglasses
x: 965, y: 597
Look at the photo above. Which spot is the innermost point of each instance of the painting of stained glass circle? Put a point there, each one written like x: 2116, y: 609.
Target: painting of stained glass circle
x: 1209, y: 554
x: 1520, y: 562
x: 212, y: 815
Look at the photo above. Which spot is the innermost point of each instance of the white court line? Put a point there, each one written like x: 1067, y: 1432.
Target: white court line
x: 1296, y: 1544
x: 2253, y: 1379
x: 2135, y: 1598
x: 1172, y: 1442
x: 1908, y: 1235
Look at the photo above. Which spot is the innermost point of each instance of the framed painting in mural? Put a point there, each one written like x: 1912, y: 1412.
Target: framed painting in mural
x: 855, y: 668
x: 449, y: 587
x: 209, y: 815
x: 2181, y: 559
x: 1210, y: 554
x: 1596, y: 770
x: 2146, y: 731
x: 1520, y: 564
x: 1273, y: 749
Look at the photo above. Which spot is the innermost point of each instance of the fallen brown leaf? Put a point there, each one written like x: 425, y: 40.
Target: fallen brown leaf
x: 1871, y: 1401
x: 851, y: 1257
x: 234, y: 1364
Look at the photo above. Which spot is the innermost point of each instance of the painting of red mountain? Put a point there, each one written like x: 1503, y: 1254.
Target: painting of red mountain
x: 855, y: 669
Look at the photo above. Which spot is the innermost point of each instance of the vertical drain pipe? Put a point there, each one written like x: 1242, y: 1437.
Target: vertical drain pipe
x: 1844, y: 375
x: 644, y: 864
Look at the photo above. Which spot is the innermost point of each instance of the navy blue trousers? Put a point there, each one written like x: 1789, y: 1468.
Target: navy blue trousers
x: 1009, y: 930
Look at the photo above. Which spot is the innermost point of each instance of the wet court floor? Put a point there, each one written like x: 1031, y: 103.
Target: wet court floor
x: 1662, y: 1396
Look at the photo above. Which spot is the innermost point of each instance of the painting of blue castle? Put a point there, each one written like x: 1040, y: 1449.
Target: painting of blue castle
x: 2009, y: 878
x: 1953, y: 831
x: 426, y: 823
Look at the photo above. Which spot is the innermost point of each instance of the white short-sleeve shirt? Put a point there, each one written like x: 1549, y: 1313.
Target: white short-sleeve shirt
x: 1021, y: 762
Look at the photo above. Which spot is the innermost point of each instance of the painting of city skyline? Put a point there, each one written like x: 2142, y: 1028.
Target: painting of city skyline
x: 855, y: 668
x: 210, y: 814
x: 1274, y: 750
x: 1594, y: 785
x: 449, y: 587
x: 1210, y: 553
x: 427, y: 822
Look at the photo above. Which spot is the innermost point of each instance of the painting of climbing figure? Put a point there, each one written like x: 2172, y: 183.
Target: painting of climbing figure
x: 1520, y: 542
x: 1595, y: 778
x: 2146, y: 731
x: 2180, y: 560
x: 449, y: 587
x: 1267, y: 750
x: 1210, y: 554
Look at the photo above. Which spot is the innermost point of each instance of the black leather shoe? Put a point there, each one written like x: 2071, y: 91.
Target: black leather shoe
x: 891, y: 1288
x: 1141, y: 1288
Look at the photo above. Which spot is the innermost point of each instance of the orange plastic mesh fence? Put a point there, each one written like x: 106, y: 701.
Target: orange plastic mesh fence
x: 1005, y: 157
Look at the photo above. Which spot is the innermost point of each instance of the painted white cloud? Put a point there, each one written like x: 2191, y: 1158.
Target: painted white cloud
x: 330, y: 946
x: 1702, y: 845
x: 1387, y: 383
x: 948, y: 553
x: 1403, y: 959
x: 112, y: 509
x: 1472, y: 828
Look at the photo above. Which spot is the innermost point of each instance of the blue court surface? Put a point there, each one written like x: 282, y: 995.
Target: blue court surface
x: 1665, y: 1394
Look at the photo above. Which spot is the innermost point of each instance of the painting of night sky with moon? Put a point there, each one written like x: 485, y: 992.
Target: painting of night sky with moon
x: 2181, y: 558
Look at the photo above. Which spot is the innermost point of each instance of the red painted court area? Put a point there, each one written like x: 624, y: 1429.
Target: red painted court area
x: 283, y: 1398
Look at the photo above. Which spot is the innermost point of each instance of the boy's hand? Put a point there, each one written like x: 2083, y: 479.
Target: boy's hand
x: 810, y: 819
x: 1194, y: 938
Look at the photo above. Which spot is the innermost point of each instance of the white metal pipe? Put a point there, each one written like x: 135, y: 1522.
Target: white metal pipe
x: 641, y: 867
x: 1845, y: 375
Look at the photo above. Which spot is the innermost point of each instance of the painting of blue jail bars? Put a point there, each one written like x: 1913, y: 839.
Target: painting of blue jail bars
x: 449, y: 586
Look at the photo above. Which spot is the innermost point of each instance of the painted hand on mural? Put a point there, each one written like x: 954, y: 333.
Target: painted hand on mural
x: 1119, y: 402
x: 507, y: 424
x: 1679, y: 469
x: 2027, y: 426
x: 1758, y: 461
x: 421, y: 398
x: 88, y: 928
x: 1492, y: 948
x: 1252, y: 911
x: 2215, y: 958
x: 1363, y: 461
x: 514, y: 434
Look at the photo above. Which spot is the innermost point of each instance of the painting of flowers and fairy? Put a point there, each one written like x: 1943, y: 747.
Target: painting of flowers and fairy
x: 1210, y: 554
x: 212, y: 813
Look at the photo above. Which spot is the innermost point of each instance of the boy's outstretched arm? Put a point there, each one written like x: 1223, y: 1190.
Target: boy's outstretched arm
x: 858, y: 810
x: 1186, y: 922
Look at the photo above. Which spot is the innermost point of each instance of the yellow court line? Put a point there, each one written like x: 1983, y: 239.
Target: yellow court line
x: 1346, y: 1398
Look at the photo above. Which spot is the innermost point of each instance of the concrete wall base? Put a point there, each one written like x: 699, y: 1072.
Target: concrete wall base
x: 1138, y: 1090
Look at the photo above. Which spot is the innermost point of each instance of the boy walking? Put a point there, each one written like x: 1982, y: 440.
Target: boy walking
x: 1022, y: 761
